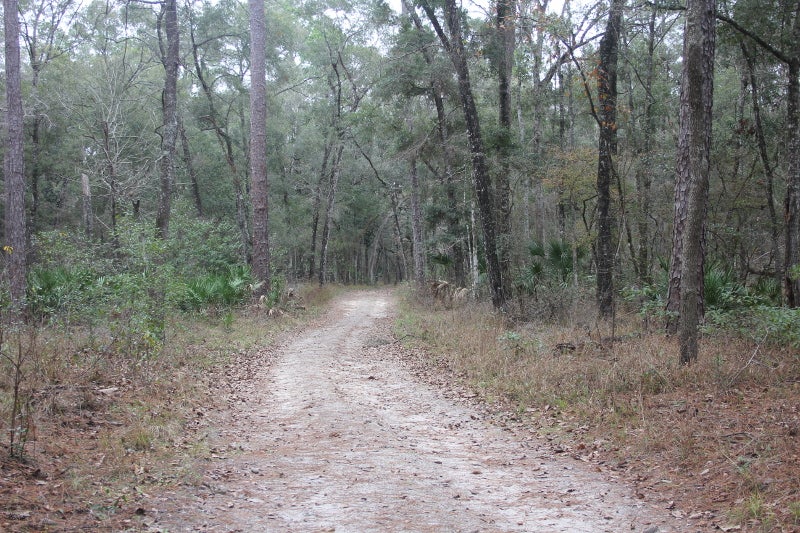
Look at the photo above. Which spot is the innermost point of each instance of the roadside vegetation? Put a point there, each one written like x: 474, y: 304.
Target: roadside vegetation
x: 105, y: 391
x: 718, y: 440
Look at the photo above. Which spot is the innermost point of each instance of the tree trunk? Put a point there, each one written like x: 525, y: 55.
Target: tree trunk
x: 505, y: 63
x: 14, y: 245
x: 792, y: 204
x: 402, y: 266
x: 226, y: 145
x: 259, y: 188
x: 416, y: 226
x: 170, y: 60
x: 453, y: 211
x: 607, y: 115
x: 190, y: 169
x: 88, y: 216
x: 791, y: 57
x: 693, y: 168
x: 769, y: 174
x: 644, y: 169
x: 36, y: 170
x: 480, y: 173
x: 317, y: 204
x: 326, y: 227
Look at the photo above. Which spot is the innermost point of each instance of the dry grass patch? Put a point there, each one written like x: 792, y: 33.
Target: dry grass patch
x: 717, y: 440
x: 102, y: 429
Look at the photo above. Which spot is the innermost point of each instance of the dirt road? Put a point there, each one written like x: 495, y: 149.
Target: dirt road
x: 334, y: 433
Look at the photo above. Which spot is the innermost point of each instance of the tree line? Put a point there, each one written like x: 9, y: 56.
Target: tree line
x: 630, y: 147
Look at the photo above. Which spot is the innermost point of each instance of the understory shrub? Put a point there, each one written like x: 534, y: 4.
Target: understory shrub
x: 222, y: 289
x: 126, y: 286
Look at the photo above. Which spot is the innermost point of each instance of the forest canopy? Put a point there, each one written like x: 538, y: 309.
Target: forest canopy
x: 524, y: 150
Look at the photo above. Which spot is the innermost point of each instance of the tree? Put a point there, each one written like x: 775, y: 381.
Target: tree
x: 170, y: 59
x: 454, y: 45
x: 787, y: 31
x: 693, y: 168
x: 504, y: 51
x: 416, y: 225
x: 13, y: 163
x: 259, y: 189
x: 607, y: 118
x: 209, y: 68
x: 436, y: 93
x: 42, y: 31
x: 335, y: 170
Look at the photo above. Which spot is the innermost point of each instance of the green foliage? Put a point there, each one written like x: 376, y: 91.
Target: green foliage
x: 779, y: 325
x: 753, y: 312
x: 723, y: 290
x: 128, y: 288
x: 58, y: 289
x: 203, y: 245
x: 275, y: 294
x: 223, y: 289
x: 767, y: 290
x: 649, y: 298
x: 550, y: 263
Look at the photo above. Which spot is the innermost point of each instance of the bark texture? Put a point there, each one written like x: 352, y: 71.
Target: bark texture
x: 170, y: 58
x: 416, y: 226
x: 259, y: 188
x: 792, y: 204
x: 693, y: 168
x: 505, y: 64
x: 454, y: 45
x: 14, y: 245
x: 607, y: 149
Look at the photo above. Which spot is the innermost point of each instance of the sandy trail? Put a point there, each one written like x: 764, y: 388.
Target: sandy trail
x: 336, y: 434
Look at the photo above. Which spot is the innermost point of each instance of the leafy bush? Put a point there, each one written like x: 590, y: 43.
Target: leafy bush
x: 126, y: 287
x: 551, y: 263
x: 224, y: 289
x: 58, y: 289
x: 723, y: 290
x: 778, y: 325
x: 753, y: 312
x: 767, y: 290
x: 198, y: 246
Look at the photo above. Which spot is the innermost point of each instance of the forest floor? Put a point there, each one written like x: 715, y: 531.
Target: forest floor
x: 337, y: 426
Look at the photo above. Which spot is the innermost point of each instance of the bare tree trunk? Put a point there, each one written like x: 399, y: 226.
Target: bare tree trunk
x: 416, y: 226
x: 326, y: 228
x: 259, y: 189
x: 187, y: 160
x: 39, y: 34
x: 14, y: 245
x: 791, y: 57
x: 693, y: 168
x: 792, y: 204
x: 36, y: 170
x: 768, y: 170
x: 317, y: 204
x: 505, y: 63
x: 374, y: 251
x: 480, y: 172
x: 169, y: 59
x: 224, y: 140
x: 111, y: 178
x: 473, y: 249
x: 453, y: 213
x: 607, y: 114
x: 643, y: 169
x: 88, y: 216
x: 402, y: 265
